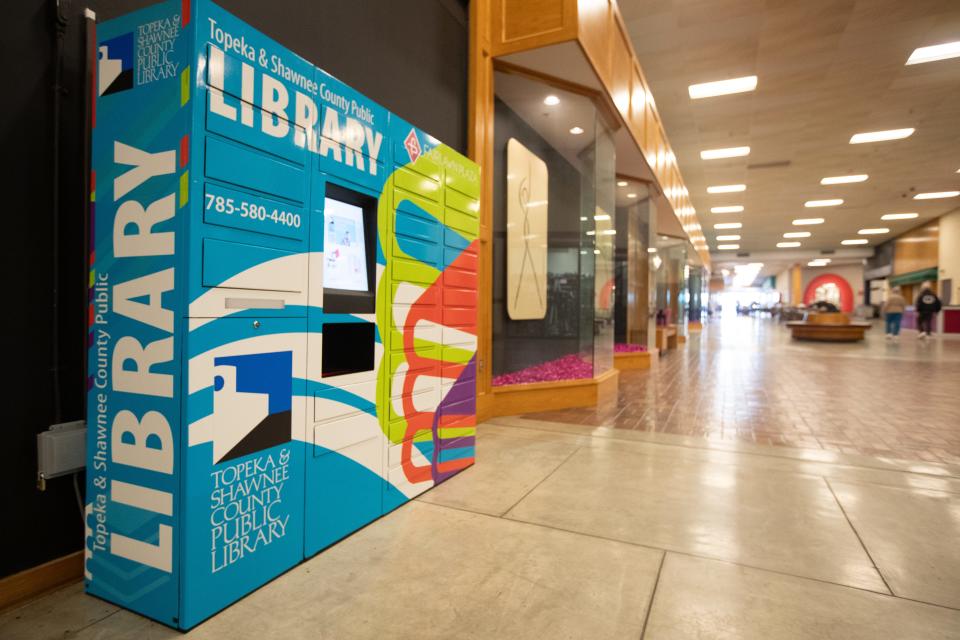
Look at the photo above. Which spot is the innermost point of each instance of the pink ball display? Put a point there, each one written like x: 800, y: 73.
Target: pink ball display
x: 570, y: 367
x: 626, y: 347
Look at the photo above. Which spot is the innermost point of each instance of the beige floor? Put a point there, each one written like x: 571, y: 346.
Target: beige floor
x: 568, y: 531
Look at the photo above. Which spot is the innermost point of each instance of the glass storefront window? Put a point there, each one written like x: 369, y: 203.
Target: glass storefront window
x: 554, y: 231
x: 671, y: 283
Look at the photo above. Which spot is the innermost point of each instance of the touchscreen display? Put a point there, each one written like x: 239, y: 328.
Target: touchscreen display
x: 344, y: 254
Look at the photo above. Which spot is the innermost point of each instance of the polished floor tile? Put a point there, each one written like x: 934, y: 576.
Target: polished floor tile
x: 773, y: 520
x: 432, y: 572
x: 913, y: 536
x: 513, y: 464
x: 727, y: 539
x: 745, y: 380
x: 58, y: 615
x: 699, y: 598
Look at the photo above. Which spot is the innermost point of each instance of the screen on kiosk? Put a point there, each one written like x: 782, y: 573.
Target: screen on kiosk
x: 344, y: 254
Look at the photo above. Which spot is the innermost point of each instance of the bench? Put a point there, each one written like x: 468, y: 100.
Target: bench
x: 828, y: 327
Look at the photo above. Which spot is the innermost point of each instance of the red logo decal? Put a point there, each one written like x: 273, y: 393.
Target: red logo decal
x: 412, y: 145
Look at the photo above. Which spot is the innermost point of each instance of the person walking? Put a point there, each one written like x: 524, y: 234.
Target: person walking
x: 893, y: 308
x: 928, y: 305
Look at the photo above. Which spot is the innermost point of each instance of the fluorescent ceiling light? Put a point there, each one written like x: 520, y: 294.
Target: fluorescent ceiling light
x: 576, y: 131
x: 631, y: 195
x: 873, y: 232
x: 727, y: 247
x: 787, y: 245
x: 899, y: 216
x: 727, y: 188
x: 805, y: 221
x: 880, y: 136
x: 823, y: 203
x: 861, y: 177
x: 728, y: 225
x: 734, y: 208
x: 551, y: 101
x: 730, y: 237
x: 730, y: 152
x: 857, y: 241
x: 622, y: 183
x: 816, y: 263
x: 722, y: 87
x: 651, y: 249
x: 608, y: 232
x: 933, y: 53
x: 797, y: 234
x: 602, y: 216
x: 934, y: 195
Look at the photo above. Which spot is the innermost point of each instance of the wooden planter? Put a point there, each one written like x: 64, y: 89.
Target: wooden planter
x: 632, y: 360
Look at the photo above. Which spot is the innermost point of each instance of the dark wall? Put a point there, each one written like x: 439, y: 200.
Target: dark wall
x: 520, y: 343
x: 410, y: 56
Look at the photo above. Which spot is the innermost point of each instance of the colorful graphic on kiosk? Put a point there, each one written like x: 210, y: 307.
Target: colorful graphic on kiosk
x: 219, y: 455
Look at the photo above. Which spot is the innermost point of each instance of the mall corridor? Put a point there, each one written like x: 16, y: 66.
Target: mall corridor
x: 751, y: 383
x: 678, y: 521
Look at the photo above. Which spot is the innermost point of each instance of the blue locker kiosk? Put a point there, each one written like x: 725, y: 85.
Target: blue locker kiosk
x: 282, y: 315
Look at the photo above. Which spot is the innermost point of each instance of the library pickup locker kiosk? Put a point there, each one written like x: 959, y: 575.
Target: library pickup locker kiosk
x: 282, y: 312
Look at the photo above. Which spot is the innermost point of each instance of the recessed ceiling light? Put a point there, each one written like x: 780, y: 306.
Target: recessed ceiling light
x: 934, y: 52
x: 631, y: 195
x: 728, y: 225
x: 730, y: 152
x: 873, y: 232
x: 823, y: 203
x: 727, y: 247
x: 805, y: 221
x: 551, y: 100
x: 728, y: 188
x: 899, y: 216
x: 601, y: 217
x: 797, y: 234
x: 734, y: 208
x: 856, y: 241
x: 576, y: 131
x: 622, y: 183
x: 934, y: 195
x: 651, y: 249
x: 880, y: 136
x: 730, y: 237
x: 787, y: 245
x: 722, y: 87
x: 861, y: 177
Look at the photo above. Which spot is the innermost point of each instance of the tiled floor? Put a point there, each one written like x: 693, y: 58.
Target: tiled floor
x: 744, y: 379
x: 566, y: 531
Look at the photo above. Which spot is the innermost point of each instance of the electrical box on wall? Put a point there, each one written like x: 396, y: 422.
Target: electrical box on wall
x: 283, y: 317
